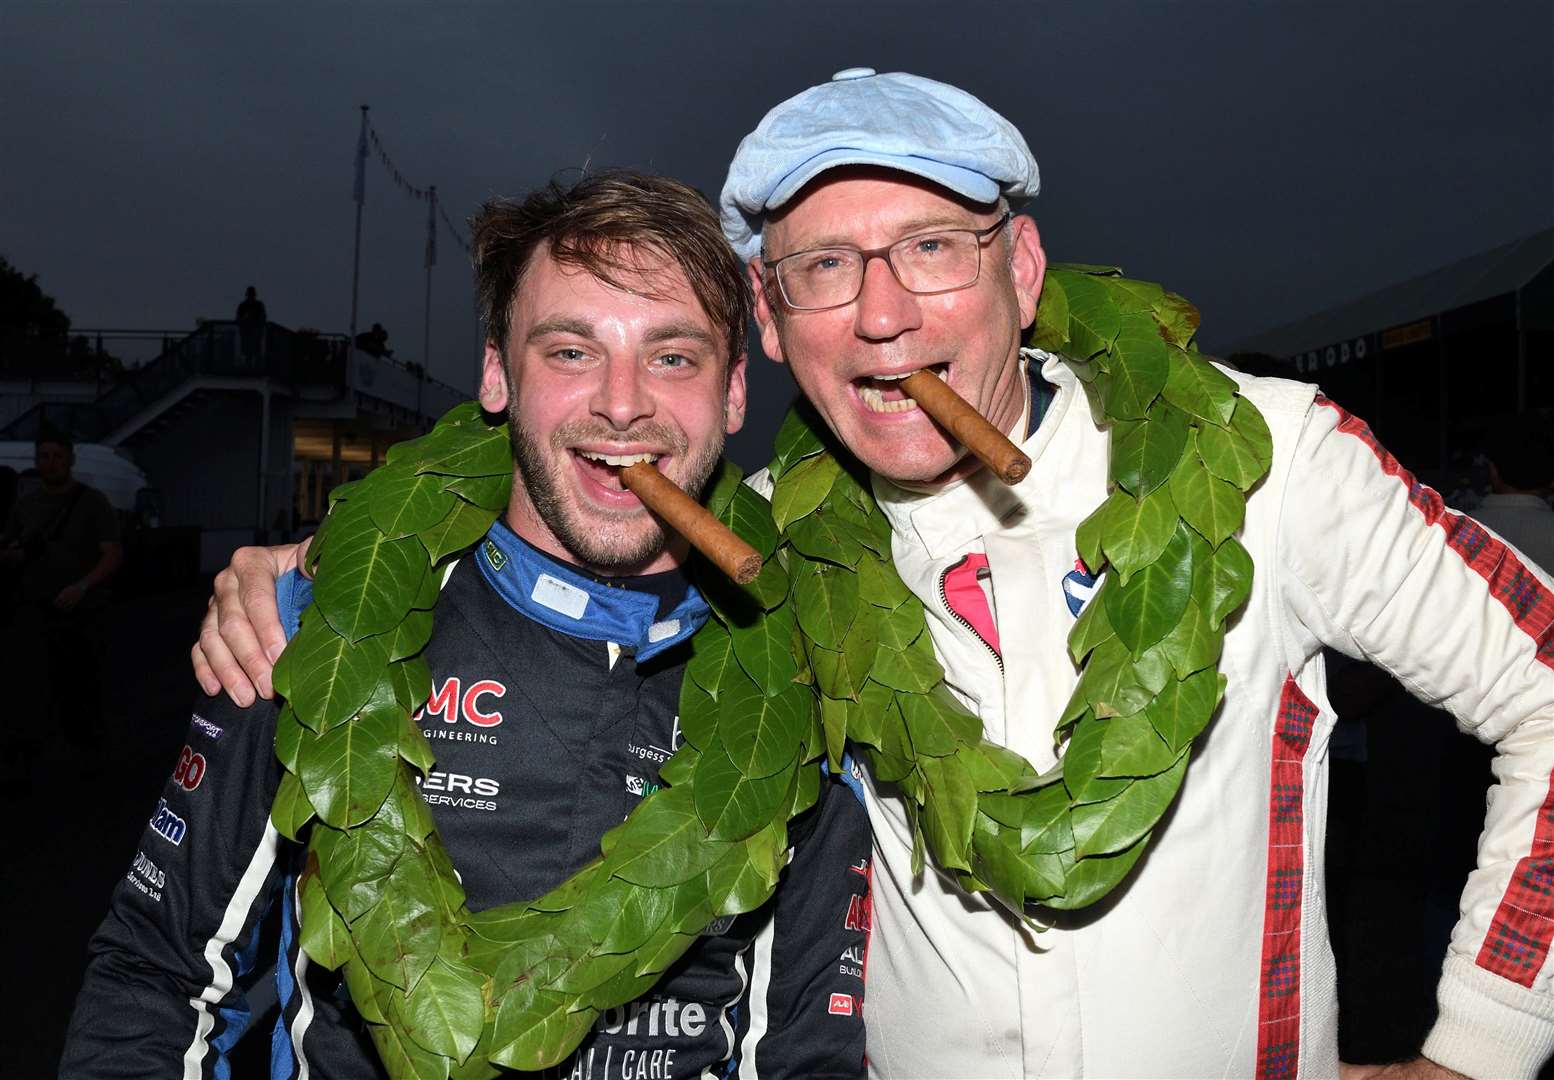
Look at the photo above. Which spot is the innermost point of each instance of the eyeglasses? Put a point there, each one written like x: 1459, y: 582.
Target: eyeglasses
x: 930, y: 262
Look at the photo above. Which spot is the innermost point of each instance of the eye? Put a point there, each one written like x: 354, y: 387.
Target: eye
x: 823, y: 262
x: 674, y: 360
x: 569, y: 355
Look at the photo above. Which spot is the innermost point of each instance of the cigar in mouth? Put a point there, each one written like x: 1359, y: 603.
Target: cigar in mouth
x: 692, y: 520
x: 969, y: 427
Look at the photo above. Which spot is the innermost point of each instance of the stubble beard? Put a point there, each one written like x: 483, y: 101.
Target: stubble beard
x: 626, y: 539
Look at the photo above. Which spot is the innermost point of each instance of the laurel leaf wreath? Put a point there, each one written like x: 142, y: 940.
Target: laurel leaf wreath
x: 826, y: 647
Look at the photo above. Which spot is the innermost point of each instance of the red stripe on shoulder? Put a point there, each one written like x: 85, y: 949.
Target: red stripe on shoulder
x: 1521, y: 933
x: 1530, y: 605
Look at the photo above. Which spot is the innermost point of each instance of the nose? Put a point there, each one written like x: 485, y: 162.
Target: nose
x: 622, y: 395
x: 885, y: 308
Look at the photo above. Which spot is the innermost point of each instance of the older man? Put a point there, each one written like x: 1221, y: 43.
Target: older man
x: 1213, y: 959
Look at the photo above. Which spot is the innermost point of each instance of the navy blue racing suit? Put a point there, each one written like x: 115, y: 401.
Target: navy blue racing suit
x: 546, y: 735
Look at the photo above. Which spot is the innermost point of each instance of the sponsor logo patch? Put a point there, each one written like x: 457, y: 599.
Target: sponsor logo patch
x: 841, y: 1005
x: 454, y: 701
x: 190, y: 770
x: 168, y: 825
x: 459, y: 791
x: 205, y: 727
x: 146, y: 876
x: 1078, y: 588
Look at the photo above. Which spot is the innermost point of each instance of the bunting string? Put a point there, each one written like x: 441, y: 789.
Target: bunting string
x: 418, y: 193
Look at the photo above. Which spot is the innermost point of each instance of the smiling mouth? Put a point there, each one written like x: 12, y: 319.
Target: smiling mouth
x: 883, y: 393
x: 605, y: 469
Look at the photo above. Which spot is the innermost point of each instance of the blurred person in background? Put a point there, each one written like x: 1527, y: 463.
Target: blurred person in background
x: 1521, y: 478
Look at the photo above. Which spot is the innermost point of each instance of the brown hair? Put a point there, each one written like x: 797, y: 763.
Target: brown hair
x: 598, y: 224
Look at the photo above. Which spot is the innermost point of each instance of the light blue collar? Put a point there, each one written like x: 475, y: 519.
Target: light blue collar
x: 570, y: 603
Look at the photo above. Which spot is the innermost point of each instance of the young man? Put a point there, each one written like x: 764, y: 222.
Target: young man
x: 1212, y: 959
x: 615, y: 318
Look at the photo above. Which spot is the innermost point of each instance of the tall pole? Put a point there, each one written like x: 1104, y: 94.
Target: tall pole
x: 360, y: 193
x: 431, y: 261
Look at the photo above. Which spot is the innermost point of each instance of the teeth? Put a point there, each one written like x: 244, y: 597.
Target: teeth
x: 616, y: 459
x: 891, y: 378
x: 874, y: 400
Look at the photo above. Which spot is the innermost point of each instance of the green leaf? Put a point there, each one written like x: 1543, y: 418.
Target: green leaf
x: 750, y: 516
x: 413, y: 746
x: 802, y: 488
x: 1115, y: 684
x: 699, y: 712
x: 948, y: 811
x: 712, y: 658
x: 1222, y: 582
x: 1091, y: 628
x: 992, y: 767
x: 1178, y: 319
x: 797, y: 439
x: 939, y: 725
x: 1199, y: 388
x: 620, y: 918
x: 446, y: 1010
x: 1183, y: 708
x: 1135, y: 532
x: 357, y: 862
x: 466, y: 451
x: 1047, y: 828
x: 1090, y: 879
x: 333, y: 678
x: 1249, y: 423
x: 822, y: 535
x: 731, y: 805
x: 1087, y: 537
x: 1051, y: 329
x: 536, y: 1028
x: 913, y: 670
x: 291, y: 810
x: 1082, y: 765
x: 348, y: 770
x: 1109, y: 827
x: 720, y: 487
x: 764, y: 648
x: 324, y: 935
x: 1131, y: 747
x: 1193, y: 644
x: 880, y: 585
x: 663, y: 843
x: 398, y: 936
x: 464, y: 525
x: 1093, y: 317
x: 403, y: 1058
x: 1146, y: 452
x: 762, y: 734
x: 826, y: 601
x: 411, y: 635
x: 486, y: 492
x: 866, y: 721
x: 402, y: 502
x: 1229, y: 456
x: 1145, y: 609
x: 366, y: 584
x: 745, y: 878
x: 1139, y: 364
x: 368, y: 992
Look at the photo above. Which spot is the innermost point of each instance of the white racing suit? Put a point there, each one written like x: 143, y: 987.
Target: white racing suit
x: 1212, y: 960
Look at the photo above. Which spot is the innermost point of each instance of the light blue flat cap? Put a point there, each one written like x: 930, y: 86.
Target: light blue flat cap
x: 898, y: 121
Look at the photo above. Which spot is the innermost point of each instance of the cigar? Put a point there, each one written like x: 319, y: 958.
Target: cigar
x: 969, y: 427
x: 692, y: 520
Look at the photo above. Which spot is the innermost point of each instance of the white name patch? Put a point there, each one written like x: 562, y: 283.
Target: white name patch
x: 559, y: 596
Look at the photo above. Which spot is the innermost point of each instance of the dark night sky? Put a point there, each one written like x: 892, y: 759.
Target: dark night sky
x: 1267, y: 160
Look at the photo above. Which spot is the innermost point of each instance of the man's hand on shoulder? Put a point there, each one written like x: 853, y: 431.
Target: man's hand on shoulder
x: 241, y: 635
x: 1419, y: 1068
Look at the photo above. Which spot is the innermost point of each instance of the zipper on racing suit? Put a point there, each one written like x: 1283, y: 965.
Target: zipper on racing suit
x: 944, y: 599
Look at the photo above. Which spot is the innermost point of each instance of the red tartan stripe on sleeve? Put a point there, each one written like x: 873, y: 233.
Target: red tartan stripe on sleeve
x: 1278, y: 1001
x: 1521, y: 933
